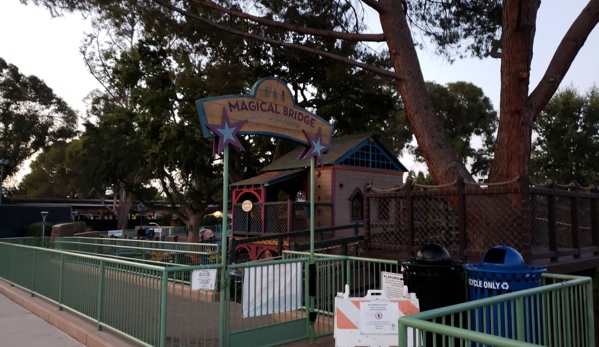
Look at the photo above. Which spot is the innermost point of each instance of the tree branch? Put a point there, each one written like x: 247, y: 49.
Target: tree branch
x: 564, y: 56
x: 169, y: 197
x: 295, y: 28
x: 344, y: 60
x: 374, y: 4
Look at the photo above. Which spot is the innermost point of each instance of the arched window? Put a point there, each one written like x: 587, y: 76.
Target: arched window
x: 356, y: 201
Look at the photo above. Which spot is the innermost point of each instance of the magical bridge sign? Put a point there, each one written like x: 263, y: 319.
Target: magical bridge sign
x: 269, y: 110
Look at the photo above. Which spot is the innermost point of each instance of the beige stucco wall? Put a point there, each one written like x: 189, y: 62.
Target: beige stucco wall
x: 347, y: 179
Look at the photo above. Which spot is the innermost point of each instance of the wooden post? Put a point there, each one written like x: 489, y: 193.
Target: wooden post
x: 280, y: 245
x: 410, y: 215
x: 289, y: 215
x: 526, y: 232
x: 366, y: 216
x: 461, y: 188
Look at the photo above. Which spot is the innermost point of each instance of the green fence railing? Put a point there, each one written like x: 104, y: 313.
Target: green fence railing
x: 151, y: 305
x: 277, y: 301
x: 208, y: 248
x: 558, y: 313
x: 332, y: 272
x: 141, y: 250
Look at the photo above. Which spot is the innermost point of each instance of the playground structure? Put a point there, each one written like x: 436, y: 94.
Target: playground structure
x: 338, y: 195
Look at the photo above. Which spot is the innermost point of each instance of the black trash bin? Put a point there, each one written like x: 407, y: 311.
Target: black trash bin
x: 434, y: 277
x: 502, y: 271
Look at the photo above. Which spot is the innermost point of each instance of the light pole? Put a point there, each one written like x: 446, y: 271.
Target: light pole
x: 2, y: 163
x: 44, y: 214
x: 142, y: 208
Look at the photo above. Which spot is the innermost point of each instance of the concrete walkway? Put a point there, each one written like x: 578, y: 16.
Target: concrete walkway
x: 19, y: 327
x: 35, y: 322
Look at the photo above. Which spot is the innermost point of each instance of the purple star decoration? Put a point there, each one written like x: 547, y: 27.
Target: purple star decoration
x: 227, y: 133
x: 316, y: 147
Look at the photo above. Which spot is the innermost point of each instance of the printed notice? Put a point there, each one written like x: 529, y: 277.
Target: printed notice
x: 378, y: 317
x: 392, y: 284
x: 203, y: 279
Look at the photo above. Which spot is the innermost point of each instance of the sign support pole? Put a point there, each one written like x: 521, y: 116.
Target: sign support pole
x: 312, y: 265
x: 312, y: 197
x: 224, y: 235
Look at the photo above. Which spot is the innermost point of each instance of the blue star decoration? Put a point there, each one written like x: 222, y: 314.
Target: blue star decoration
x: 227, y: 133
x: 316, y: 148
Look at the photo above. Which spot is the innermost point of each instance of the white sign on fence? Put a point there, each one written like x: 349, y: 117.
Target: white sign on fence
x: 392, y: 284
x: 203, y: 279
x: 271, y: 289
x: 116, y: 233
x: 378, y: 317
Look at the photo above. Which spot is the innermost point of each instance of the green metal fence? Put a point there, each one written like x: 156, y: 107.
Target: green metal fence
x: 141, y: 250
x: 207, y: 248
x: 277, y: 301
x: 267, y: 302
x: 152, y: 305
x: 558, y: 313
x: 331, y: 273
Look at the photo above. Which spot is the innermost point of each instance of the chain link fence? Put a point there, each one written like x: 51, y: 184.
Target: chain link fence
x: 540, y: 221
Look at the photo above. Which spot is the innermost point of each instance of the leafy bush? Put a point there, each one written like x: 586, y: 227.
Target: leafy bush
x: 36, y: 228
x: 211, y: 220
x: 80, y: 227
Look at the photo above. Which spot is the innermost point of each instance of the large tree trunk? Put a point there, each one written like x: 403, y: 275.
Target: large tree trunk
x: 442, y: 161
x: 512, y: 148
x: 195, y: 221
x: 122, y: 208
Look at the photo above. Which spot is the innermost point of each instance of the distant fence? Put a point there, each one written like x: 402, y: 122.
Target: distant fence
x: 541, y: 221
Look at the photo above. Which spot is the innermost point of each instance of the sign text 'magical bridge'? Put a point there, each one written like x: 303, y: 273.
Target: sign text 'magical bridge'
x: 269, y: 110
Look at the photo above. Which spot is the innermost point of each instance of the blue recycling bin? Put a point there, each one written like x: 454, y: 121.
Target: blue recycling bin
x: 502, y: 271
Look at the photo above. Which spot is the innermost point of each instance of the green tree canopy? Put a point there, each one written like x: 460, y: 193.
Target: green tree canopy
x: 500, y: 29
x: 465, y: 112
x: 58, y: 172
x: 567, y: 146
x: 48, y: 176
x: 31, y: 117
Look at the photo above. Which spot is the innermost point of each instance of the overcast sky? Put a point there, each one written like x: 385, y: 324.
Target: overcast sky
x: 49, y: 48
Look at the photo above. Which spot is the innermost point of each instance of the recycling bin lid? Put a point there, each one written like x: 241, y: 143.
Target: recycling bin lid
x: 433, y: 253
x: 503, y: 257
